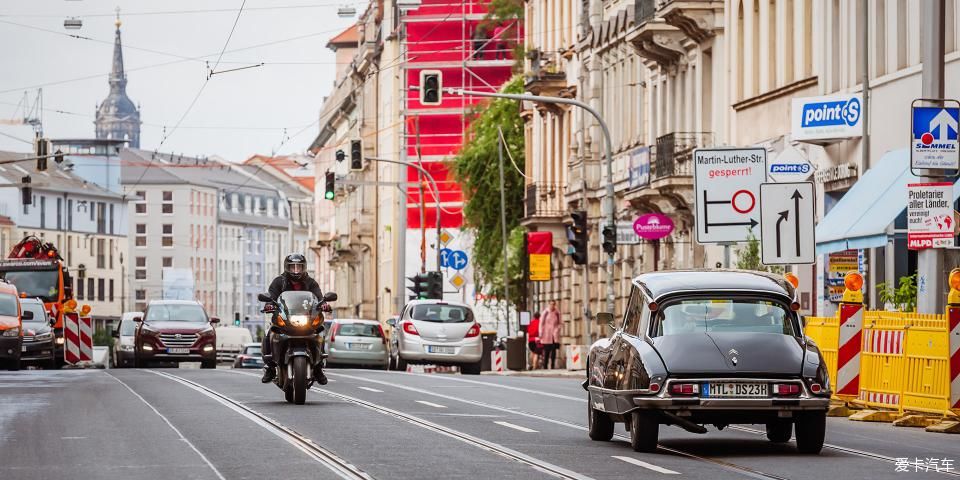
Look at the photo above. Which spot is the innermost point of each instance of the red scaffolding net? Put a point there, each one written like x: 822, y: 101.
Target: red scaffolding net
x: 453, y: 39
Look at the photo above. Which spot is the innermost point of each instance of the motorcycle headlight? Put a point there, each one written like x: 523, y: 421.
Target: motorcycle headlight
x: 43, y: 337
x: 13, y: 332
x: 299, y: 320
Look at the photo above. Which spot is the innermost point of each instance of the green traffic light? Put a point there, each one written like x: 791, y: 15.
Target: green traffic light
x: 328, y: 195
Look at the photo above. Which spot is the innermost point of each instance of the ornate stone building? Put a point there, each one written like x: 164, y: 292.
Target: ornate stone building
x: 117, y: 117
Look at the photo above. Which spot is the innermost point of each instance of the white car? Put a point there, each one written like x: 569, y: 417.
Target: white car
x: 438, y: 333
x: 123, y: 341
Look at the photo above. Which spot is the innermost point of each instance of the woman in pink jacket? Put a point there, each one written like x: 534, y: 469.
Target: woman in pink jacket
x: 550, y: 335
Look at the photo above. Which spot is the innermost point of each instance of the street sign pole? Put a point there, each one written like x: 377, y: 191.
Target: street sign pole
x: 930, y: 261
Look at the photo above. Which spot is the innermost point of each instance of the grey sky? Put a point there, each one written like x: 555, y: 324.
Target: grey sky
x: 272, y: 96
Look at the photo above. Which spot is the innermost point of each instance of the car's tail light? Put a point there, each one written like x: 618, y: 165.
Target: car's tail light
x: 816, y: 388
x: 786, y: 389
x: 474, y: 331
x: 408, y: 327
x: 683, y: 389
x: 383, y: 338
x: 654, y: 387
x: 333, y: 332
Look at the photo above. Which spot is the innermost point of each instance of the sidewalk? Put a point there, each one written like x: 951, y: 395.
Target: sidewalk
x: 556, y: 373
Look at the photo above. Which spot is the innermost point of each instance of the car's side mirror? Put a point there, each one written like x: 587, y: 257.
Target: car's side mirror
x: 606, y: 318
x: 214, y: 319
x: 138, y: 319
x: 53, y: 321
x: 263, y: 297
x: 115, y: 333
x: 330, y: 297
x: 26, y: 315
x: 392, y: 322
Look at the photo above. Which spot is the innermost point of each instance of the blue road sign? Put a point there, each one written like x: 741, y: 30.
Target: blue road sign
x: 458, y: 259
x: 445, y: 257
x: 933, y: 139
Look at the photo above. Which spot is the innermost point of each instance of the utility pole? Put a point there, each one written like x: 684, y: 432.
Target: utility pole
x: 503, y: 228
x: 930, y: 260
x: 607, y: 207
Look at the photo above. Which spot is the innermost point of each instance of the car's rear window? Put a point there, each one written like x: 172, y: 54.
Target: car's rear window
x: 358, y: 330
x: 718, y: 315
x: 442, y: 313
x: 252, y: 350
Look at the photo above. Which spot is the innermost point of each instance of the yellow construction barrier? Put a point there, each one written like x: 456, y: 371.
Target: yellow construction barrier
x: 927, y: 366
x: 825, y: 332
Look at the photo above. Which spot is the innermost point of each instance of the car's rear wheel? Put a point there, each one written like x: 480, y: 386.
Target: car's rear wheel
x: 779, y: 431
x: 811, y: 429
x: 299, y: 380
x: 599, y: 424
x: 644, y: 431
x: 401, y: 363
x: 470, y: 368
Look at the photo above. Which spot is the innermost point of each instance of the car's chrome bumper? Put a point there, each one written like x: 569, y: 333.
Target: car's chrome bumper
x: 695, y: 403
x: 365, y: 357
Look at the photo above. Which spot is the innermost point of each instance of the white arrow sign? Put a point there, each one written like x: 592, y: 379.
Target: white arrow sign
x: 787, y: 223
x: 943, y: 122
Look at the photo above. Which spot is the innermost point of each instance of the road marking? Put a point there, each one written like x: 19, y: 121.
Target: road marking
x: 648, y: 466
x: 506, y: 387
x: 177, y: 431
x: 431, y: 404
x: 374, y: 390
x: 516, y: 427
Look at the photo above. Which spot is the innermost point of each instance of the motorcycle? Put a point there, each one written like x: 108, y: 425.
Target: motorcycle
x: 296, y: 322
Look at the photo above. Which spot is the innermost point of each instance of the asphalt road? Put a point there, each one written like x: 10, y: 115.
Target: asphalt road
x: 224, y: 424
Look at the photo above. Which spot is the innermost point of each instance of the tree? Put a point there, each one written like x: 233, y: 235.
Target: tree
x: 510, y: 13
x: 748, y: 257
x: 475, y: 167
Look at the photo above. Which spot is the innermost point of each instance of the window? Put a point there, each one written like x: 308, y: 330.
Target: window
x: 101, y: 259
x: 166, y: 209
x: 141, y: 268
x: 111, y: 254
x: 111, y: 289
x: 43, y: 211
x: 141, y: 238
x: 90, y: 289
x: 111, y: 219
x: 167, y: 196
x: 59, y: 213
x: 167, y: 239
x: 69, y: 214
x: 634, y: 314
x: 142, y: 195
x: 140, y: 294
x: 140, y: 208
x: 101, y: 283
x: 733, y: 315
x: 167, y: 262
x: 80, y: 291
x: 101, y: 217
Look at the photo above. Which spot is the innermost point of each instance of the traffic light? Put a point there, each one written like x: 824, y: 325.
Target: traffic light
x: 421, y: 285
x: 236, y: 319
x: 40, y: 148
x: 341, y: 156
x: 431, y: 87
x: 609, y: 239
x: 435, y: 285
x: 577, y: 236
x: 26, y: 191
x: 329, y: 186
x: 356, y: 155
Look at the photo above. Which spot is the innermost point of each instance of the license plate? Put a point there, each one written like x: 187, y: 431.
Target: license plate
x: 439, y: 349
x: 733, y: 390
x: 178, y: 350
x: 358, y: 346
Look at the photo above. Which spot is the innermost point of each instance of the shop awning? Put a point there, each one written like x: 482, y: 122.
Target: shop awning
x: 860, y: 219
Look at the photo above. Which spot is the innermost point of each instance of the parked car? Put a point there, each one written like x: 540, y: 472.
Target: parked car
x: 231, y: 341
x: 356, y: 342
x: 708, y: 347
x: 175, y: 331
x: 38, y: 337
x: 11, y: 326
x: 122, y: 352
x: 250, y: 357
x: 436, y: 332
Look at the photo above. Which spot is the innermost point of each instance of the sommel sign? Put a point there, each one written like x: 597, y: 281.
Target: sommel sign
x: 929, y: 215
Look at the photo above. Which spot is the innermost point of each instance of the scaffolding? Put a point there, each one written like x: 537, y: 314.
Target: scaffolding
x: 447, y: 36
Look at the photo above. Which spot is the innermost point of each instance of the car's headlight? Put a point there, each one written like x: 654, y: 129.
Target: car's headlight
x: 299, y: 320
x: 148, y: 348
x: 13, y: 332
x: 43, y: 337
x: 59, y: 340
x: 208, y: 348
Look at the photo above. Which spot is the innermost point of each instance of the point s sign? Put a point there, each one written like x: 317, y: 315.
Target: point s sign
x: 826, y: 118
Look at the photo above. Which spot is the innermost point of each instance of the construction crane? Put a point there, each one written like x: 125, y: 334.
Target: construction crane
x: 28, y: 113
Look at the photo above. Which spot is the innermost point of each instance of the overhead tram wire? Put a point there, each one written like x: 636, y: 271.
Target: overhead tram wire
x: 197, y: 96
x: 189, y: 12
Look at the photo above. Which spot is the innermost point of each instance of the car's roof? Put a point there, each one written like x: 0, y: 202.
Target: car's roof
x: 436, y: 302
x: 130, y: 315
x: 356, y: 320
x: 659, y: 284
x: 173, y: 302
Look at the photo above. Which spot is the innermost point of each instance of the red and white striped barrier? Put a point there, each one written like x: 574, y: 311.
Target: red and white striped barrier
x: 86, y: 339
x: 848, y: 357
x: 953, y: 319
x: 496, y: 361
x: 885, y: 341
x: 71, y: 338
x: 575, y: 357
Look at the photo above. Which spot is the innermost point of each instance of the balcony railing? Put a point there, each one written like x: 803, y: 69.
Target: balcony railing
x: 543, y: 199
x: 674, y: 156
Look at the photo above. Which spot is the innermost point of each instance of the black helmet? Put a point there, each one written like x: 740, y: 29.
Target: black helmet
x: 295, y: 266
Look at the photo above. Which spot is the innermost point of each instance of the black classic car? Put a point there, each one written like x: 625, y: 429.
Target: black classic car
x: 714, y: 347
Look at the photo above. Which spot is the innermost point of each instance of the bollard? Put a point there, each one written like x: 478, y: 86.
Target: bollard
x: 953, y: 322
x: 851, y: 338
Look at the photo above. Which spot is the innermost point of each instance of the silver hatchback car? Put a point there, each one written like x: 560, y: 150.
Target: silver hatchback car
x: 436, y: 332
x: 356, y: 342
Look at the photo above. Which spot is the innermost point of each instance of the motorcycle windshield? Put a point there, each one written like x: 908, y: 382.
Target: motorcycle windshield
x: 297, y: 303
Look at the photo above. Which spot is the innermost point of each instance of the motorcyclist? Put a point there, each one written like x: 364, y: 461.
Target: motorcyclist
x: 294, y: 277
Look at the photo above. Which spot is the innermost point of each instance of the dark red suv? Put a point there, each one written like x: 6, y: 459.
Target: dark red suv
x: 175, y: 331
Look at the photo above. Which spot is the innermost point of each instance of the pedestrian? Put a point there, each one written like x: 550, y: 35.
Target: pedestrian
x: 500, y: 42
x: 479, y: 41
x: 550, y: 334
x: 533, y: 340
